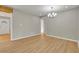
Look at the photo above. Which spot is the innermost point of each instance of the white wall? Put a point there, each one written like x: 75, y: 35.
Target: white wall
x: 65, y: 25
x: 24, y: 25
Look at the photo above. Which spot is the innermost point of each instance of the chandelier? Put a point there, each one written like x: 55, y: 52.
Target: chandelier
x: 52, y: 13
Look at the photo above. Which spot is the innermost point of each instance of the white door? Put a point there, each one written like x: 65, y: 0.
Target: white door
x: 4, y: 26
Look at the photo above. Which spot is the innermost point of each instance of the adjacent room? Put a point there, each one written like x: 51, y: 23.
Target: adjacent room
x: 5, y: 21
x: 39, y: 29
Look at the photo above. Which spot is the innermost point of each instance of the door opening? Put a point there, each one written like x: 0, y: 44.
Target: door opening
x: 4, y: 29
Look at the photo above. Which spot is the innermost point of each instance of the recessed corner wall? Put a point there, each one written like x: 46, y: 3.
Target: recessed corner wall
x: 65, y: 24
x: 24, y: 25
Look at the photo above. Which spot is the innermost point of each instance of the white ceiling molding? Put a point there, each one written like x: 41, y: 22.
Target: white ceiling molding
x: 5, y: 15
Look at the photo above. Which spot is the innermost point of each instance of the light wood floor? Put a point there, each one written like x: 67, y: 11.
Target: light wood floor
x: 4, y: 37
x: 39, y: 44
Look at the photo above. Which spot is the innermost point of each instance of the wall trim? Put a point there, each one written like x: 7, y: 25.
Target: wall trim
x: 78, y: 44
x: 11, y: 26
x: 62, y: 38
x: 25, y: 37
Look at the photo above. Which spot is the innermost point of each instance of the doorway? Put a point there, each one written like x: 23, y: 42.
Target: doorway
x: 4, y: 29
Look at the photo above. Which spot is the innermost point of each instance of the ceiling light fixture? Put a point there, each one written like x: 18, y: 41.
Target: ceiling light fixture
x: 66, y: 6
x: 53, y: 13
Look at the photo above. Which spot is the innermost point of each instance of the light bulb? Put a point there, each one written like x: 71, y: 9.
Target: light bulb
x: 54, y: 14
x: 50, y: 15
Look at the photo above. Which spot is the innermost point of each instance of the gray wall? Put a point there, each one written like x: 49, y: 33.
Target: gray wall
x: 66, y: 25
x: 78, y: 24
x: 24, y: 25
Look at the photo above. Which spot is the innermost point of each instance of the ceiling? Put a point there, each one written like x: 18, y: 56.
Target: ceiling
x: 41, y: 10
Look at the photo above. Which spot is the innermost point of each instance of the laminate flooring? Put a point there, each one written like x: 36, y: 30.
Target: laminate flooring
x: 39, y: 44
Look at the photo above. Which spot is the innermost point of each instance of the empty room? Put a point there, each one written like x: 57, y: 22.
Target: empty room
x: 39, y: 29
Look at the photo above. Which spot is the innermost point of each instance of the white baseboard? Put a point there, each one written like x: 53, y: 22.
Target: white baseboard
x: 62, y: 38
x: 25, y: 37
